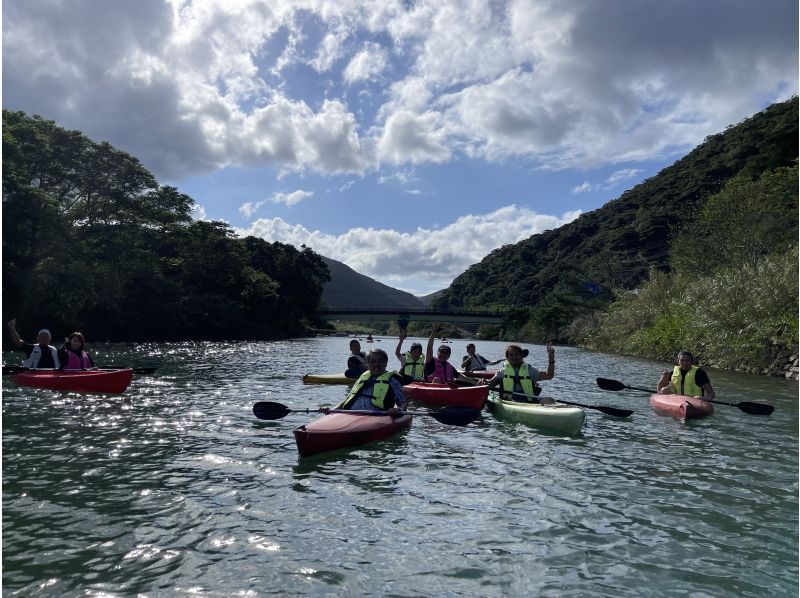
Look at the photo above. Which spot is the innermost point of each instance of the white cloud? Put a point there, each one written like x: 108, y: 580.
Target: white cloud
x: 623, y: 175
x: 199, y: 212
x: 584, y: 187
x: 190, y: 87
x: 367, y: 64
x: 292, y: 198
x: 434, y: 256
x: 248, y: 209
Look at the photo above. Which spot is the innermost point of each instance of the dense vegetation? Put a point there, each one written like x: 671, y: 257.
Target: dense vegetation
x: 711, y: 241
x: 91, y: 241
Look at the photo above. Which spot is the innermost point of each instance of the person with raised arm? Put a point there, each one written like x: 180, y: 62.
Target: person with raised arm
x: 40, y: 355
x: 518, y: 379
x: 412, y: 364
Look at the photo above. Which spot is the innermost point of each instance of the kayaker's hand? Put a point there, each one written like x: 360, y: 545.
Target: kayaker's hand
x: 546, y: 400
x: 395, y: 412
x: 325, y: 410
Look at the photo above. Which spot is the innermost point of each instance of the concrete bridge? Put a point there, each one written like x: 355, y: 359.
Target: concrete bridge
x: 404, y: 316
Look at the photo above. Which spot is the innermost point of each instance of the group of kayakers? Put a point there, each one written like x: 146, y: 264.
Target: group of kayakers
x: 42, y: 355
x: 381, y: 390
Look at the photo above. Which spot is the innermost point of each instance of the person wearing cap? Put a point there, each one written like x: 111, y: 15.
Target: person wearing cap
x: 518, y: 379
x: 438, y: 369
x: 376, y: 389
x: 472, y: 361
x: 40, y: 355
x: 686, y: 379
x: 412, y: 364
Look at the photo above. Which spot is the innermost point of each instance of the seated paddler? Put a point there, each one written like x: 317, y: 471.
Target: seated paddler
x: 376, y: 389
x: 517, y: 380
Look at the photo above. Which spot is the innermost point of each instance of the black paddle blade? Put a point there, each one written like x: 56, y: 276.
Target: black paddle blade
x: 607, y: 384
x: 612, y: 411
x: 270, y: 410
x: 455, y: 415
x: 755, y: 408
x: 13, y: 369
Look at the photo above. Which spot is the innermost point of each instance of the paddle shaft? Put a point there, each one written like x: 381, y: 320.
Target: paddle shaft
x: 607, y: 410
x: 456, y: 415
x: 746, y: 406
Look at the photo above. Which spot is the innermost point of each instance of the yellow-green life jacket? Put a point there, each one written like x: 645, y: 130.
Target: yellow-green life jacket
x: 685, y: 385
x: 380, y: 391
x: 525, y: 380
x: 414, y: 367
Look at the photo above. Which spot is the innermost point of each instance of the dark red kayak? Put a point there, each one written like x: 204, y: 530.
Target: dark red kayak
x: 110, y: 381
x: 342, y: 430
x: 446, y: 395
x: 681, y: 407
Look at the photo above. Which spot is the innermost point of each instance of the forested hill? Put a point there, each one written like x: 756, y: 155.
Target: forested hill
x: 92, y: 242
x: 347, y: 289
x: 560, y: 274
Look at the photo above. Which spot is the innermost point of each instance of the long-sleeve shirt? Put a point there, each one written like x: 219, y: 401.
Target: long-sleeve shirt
x: 364, y: 400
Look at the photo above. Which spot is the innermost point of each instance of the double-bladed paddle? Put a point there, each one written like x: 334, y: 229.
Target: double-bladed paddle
x: 747, y: 407
x: 607, y: 410
x: 455, y: 415
x: 18, y: 369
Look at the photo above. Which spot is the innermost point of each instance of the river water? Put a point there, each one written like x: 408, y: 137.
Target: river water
x: 175, y: 488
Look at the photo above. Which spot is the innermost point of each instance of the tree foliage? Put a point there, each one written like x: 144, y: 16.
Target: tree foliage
x: 91, y: 241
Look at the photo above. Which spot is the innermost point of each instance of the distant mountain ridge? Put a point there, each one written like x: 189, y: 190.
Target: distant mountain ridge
x: 348, y: 289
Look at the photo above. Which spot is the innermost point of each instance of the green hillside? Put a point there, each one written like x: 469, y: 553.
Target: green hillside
x: 550, y: 279
x: 347, y: 289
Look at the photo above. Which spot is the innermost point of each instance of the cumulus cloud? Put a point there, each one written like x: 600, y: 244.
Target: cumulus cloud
x: 435, y: 256
x: 248, y: 209
x: 611, y: 182
x: 190, y: 87
x: 367, y: 64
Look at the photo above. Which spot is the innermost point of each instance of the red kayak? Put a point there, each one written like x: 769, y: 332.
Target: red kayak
x: 342, y: 430
x: 110, y: 381
x: 681, y: 407
x: 445, y: 395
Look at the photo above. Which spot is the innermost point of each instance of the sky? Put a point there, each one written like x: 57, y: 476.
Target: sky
x: 407, y: 139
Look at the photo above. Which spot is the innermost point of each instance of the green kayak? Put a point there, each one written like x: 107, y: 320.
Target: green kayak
x: 555, y: 418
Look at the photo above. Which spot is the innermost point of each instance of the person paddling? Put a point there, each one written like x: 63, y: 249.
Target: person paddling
x: 686, y: 379
x: 73, y: 355
x: 40, y: 355
x: 376, y: 389
x: 473, y: 362
x: 518, y: 379
x: 357, y: 362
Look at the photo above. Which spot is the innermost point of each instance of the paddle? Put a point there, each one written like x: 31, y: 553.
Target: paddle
x: 747, y: 407
x: 607, y: 410
x: 455, y: 415
x: 18, y: 369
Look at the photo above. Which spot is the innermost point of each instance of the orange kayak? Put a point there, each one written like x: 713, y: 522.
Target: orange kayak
x: 681, y: 407
x: 342, y: 430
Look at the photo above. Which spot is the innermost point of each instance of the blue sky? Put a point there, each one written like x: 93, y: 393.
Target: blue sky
x: 406, y: 139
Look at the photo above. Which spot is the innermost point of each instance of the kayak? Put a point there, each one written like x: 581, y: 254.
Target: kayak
x: 342, y: 430
x: 444, y: 395
x: 681, y: 407
x: 556, y: 417
x: 111, y: 381
x: 328, y: 379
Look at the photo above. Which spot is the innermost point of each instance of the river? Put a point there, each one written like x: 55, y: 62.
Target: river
x: 175, y: 488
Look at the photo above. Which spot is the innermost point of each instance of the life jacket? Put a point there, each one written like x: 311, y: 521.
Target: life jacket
x: 411, y: 365
x: 685, y: 385
x: 381, y: 397
x: 360, y: 357
x: 77, y: 361
x: 523, y: 376
x: 36, y: 355
x: 441, y: 371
